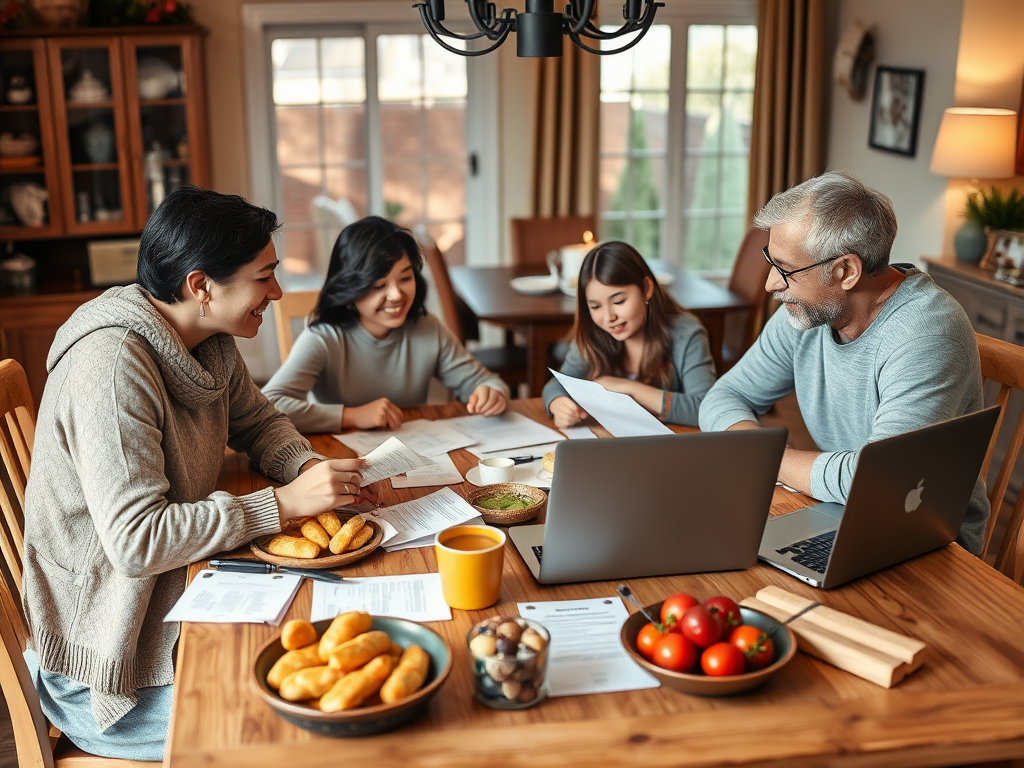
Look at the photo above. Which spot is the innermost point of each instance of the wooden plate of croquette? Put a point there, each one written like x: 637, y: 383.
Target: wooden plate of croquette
x: 326, y: 559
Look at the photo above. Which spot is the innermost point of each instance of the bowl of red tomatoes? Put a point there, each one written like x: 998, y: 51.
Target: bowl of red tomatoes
x: 714, y: 648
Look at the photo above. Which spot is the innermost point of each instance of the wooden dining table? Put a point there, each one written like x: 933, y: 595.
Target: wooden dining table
x: 547, y: 318
x: 964, y: 705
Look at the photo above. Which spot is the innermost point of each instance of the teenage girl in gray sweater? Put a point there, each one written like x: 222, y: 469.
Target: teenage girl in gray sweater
x: 631, y: 337
x: 371, y: 348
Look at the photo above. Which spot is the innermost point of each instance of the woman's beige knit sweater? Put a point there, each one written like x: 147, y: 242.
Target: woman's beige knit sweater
x: 128, y: 447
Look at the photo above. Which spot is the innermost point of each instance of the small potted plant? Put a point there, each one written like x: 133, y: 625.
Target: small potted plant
x: 988, y: 212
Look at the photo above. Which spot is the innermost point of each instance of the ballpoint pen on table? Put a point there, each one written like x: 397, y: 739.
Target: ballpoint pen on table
x: 251, y: 566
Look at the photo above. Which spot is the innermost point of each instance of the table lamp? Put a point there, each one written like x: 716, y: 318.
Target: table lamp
x: 974, y: 143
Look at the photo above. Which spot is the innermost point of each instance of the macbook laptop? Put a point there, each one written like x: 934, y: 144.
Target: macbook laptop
x: 630, y: 507
x: 909, y: 496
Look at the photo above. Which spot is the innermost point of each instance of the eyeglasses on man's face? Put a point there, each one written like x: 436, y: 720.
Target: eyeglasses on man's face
x: 786, y: 274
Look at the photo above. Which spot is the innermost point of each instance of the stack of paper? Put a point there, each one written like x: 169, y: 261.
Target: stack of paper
x: 427, y: 438
x: 414, y: 523
x: 620, y: 414
x: 440, y: 471
x: 236, y: 598
x: 390, y: 458
x: 416, y: 597
x: 500, y: 433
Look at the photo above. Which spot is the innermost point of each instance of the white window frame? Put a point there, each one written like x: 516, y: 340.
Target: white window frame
x: 680, y: 14
x: 483, y: 227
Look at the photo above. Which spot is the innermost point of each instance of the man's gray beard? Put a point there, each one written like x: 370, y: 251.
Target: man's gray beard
x: 811, y: 315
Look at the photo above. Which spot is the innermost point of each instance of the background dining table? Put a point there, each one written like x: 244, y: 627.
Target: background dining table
x: 964, y: 705
x: 546, y: 318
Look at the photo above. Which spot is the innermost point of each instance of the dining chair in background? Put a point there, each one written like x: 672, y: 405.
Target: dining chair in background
x: 1003, y: 363
x: 749, y: 274
x: 17, y: 434
x: 508, y: 361
x: 533, y: 238
x: 293, y: 308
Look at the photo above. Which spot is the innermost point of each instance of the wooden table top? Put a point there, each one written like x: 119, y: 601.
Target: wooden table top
x: 487, y: 292
x: 966, y: 704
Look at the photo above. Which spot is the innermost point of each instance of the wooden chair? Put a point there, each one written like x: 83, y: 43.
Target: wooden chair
x: 1003, y: 363
x: 17, y: 434
x: 533, y: 238
x: 296, y: 305
x: 749, y: 273
x: 508, y: 361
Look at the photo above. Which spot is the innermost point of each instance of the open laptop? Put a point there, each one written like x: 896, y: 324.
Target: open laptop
x: 630, y: 507
x: 909, y: 496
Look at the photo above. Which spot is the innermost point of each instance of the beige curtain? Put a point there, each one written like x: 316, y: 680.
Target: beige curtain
x: 787, y: 144
x: 565, y: 163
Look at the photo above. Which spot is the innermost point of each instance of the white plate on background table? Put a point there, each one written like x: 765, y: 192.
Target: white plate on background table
x: 534, y: 284
x: 527, y: 474
x: 568, y: 287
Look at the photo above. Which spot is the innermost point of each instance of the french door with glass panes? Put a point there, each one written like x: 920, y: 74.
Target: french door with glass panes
x: 366, y: 121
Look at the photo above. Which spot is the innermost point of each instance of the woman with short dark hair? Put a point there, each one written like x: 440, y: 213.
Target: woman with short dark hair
x: 372, y: 348
x: 146, y: 389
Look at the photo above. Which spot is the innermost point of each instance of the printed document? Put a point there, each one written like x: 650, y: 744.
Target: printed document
x: 416, y: 597
x: 427, y: 515
x: 390, y: 458
x: 499, y: 433
x: 428, y: 540
x: 427, y: 438
x: 618, y: 413
x: 440, y: 471
x: 586, y: 655
x: 236, y: 598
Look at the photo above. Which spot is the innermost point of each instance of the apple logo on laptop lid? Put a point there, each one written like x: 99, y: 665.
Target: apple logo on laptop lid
x: 913, y: 500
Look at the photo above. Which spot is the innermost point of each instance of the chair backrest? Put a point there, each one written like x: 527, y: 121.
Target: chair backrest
x: 749, y: 274
x: 17, y: 434
x: 443, y: 289
x: 1003, y: 363
x: 291, y: 307
x: 533, y: 238
x: 31, y: 731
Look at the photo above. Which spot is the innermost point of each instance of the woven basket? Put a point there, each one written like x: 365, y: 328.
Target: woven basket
x: 509, y: 516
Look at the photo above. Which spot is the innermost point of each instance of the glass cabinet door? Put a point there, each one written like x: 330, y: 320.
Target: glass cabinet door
x: 92, y: 136
x: 29, y: 204
x: 164, y: 95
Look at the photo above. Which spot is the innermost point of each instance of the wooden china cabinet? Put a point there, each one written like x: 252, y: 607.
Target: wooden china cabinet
x: 102, y: 124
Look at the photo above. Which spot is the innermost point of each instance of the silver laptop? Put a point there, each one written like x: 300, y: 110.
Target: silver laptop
x: 909, y: 496
x: 630, y: 507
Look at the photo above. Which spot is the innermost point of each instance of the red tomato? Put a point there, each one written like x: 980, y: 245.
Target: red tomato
x: 647, y: 639
x: 700, y: 628
x: 726, y: 611
x: 723, y: 659
x: 675, y: 652
x: 757, y: 647
x: 674, y: 607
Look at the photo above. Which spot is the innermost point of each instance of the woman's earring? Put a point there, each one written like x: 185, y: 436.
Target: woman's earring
x: 202, y: 309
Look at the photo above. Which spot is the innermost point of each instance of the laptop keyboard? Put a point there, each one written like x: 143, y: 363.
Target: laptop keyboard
x: 537, y: 551
x: 811, y: 553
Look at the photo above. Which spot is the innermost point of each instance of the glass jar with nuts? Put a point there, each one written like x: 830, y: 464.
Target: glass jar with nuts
x: 509, y: 657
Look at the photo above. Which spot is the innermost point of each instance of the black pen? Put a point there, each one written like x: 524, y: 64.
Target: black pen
x: 524, y: 459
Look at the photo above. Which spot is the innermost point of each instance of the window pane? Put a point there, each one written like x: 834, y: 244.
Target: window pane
x: 296, y: 80
x: 446, y: 129
x: 450, y: 237
x: 615, y: 113
x: 740, y: 56
x: 701, y: 246
x: 618, y: 78
x: 344, y: 133
x: 445, y: 72
x: 702, y: 117
x: 399, y: 68
x: 704, y: 56
x: 647, y: 237
x: 732, y: 229
x: 298, y: 135
x: 734, y: 172
x: 403, y: 193
x: 297, y: 249
x: 652, y: 59
x: 701, y: 190
x: 650, y: 126
x: 298, y: 188
x: 446, y: 190
x: 343, y: 64
x: 614, y: 174
x: 400, y: 130
x: 347, y: 186
x: 737, y: 109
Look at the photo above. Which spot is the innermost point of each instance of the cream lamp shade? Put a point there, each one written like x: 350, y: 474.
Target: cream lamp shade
x: 975, y: 143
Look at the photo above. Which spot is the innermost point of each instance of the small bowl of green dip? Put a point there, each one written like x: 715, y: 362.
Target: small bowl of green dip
x: 507, y: 503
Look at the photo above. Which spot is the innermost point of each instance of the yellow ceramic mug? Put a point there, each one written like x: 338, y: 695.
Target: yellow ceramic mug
x: 469, y: 559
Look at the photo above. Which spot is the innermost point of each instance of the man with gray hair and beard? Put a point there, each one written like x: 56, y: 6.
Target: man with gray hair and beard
x: 871, y: 349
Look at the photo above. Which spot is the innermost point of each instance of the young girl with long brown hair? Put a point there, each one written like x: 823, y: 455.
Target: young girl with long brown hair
x: 631, y: 337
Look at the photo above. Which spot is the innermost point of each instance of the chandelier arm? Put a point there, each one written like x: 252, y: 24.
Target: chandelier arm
x: 646, y: 25
x: 492, y: 32
x: 594, y: 33
x: 440, y: 28
x: 461, y: 52
x: 586, y: 8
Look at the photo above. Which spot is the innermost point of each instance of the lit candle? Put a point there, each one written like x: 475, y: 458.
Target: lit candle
x: 572, y: 257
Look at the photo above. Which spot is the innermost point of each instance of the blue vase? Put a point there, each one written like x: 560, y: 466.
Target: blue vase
x: 970, y: 242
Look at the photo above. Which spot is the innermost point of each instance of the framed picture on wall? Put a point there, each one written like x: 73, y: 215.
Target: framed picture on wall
x: 896, y: 110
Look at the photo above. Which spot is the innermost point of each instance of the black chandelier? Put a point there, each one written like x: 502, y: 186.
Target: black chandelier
x: 539, y: 28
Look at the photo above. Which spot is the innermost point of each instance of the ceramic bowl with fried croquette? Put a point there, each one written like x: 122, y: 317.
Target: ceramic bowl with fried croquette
x: 372, y: 715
